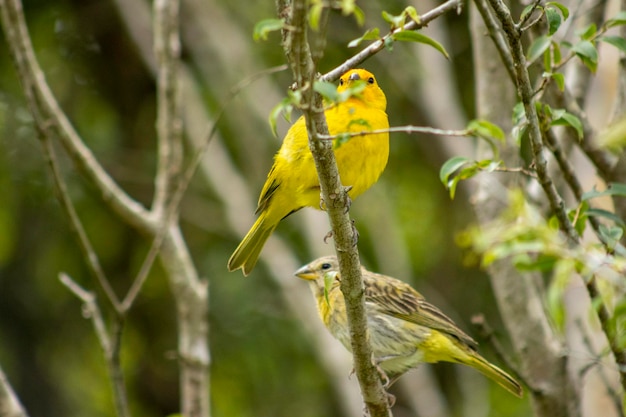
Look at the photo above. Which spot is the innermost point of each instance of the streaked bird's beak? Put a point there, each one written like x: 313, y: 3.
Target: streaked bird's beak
x: 305, y: 273
x: 354, y: 76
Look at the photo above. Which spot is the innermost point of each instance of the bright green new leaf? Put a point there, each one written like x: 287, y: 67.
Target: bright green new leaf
x: 617, y: 41
x: 263, y: 28
x: 412, y: 36
x: 486, y: 129
x: 614, y: 137
x: 370, y: 35
x: 587, y: 32
x: 394, y: 21
x: 538, y: 47
x: 315, y: 14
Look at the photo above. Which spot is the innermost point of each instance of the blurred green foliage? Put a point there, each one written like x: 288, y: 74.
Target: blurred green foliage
x: 260, y: 356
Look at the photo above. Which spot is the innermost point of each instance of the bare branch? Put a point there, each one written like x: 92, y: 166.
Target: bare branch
x: 110, y: 346
x: 169, y: 122
x: 302, y: 61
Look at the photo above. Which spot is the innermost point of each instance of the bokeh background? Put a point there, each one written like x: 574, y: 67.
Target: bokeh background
x: 265, y: 362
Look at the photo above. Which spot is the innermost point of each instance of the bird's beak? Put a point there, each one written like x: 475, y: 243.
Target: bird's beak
x: 305, y: 273
x: 354, y: 76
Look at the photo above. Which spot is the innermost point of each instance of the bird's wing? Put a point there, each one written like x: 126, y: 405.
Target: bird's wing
x: 398, y: 299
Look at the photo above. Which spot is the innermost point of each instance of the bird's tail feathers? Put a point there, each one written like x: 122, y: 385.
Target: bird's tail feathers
x: 496, y: 374
x: 247, y: 253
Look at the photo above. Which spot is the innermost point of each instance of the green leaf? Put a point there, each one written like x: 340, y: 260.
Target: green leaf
x: 564, y: 10
x: 370, y: 35
x: 450, y: 167
x: 413, y: 36
x: 538, y: 47
x: 394, y: 21
x: 359, y: 15
x: 412, y: 13
x: 614, y: 137
x: 554, y: 20
x: 587, y: 32
x: 588, y: 53
x: 447, y: 171
x: 611, y: 235
x: 617, y: 41
x: 329, y: 279
x: 559, y: 79
x: 614, y: 188
x: 327, y: 90
x: 618, y: 20
x: 486, y: 129
x: 528, y: 9
x: 284, y: 107
x: 263, y: 28
x: 315, y: 14
x: 561, y: 117
x: 596, y: 212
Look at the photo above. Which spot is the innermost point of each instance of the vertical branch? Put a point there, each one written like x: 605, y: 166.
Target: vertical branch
x: 303, y: 63
x: 169, y: 123
x: 542, y: 356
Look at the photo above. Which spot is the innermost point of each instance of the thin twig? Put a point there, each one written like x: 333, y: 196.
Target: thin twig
x: 497, y: 36
x: 89, y: 254
x: 614, y: 395
x: 400, y: 129
x: 109, y: 346
x: 10, y: 405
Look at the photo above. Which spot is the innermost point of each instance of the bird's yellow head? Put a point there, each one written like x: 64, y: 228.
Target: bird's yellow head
x: 372, y: 94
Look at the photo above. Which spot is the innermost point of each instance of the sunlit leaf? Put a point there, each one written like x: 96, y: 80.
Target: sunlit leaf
x: 370, y: 35
x: 263, y: 28
x: 413, y: 36
x: 587, y: 32
x: 486, y: 129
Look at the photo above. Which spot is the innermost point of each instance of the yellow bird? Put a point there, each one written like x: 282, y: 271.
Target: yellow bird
x: 405, y: 330
x: 292, y: 182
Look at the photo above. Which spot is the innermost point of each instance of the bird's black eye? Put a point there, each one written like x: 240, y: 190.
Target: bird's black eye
x: 341, y: 81
x: 326, y: 266
x: 370, y: 80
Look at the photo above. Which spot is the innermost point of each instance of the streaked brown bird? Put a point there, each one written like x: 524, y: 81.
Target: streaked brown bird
x: 405, y: 330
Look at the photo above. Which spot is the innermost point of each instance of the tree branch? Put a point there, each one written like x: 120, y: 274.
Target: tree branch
x: 302, y: 61
x: 169, y: 122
